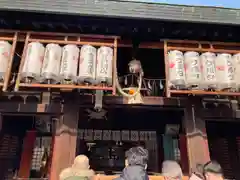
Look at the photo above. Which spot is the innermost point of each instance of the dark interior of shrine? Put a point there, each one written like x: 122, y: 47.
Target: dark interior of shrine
x: 105, y: 141
x: 152, y: 61
x: 153, y: 66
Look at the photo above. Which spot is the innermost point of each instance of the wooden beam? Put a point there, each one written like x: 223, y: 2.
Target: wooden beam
x: 203, y: 42
x: 143, y: 45
x: 220, y: 114
x: 11, y: 107
x: 1, y: 122
x: 157, y: 177
x: 85, y: 100
x: 65, y: 141
x: 121, y: 44
x: 184, y: 153
x: 197, y: 143
x: 220, y: 110
x: 128, y: 44
x: 120, y: 100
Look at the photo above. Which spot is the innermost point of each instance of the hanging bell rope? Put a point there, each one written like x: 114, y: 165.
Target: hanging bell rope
x: 98, y: 100
x: 134, y: 67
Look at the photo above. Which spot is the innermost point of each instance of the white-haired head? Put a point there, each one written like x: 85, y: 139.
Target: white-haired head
x: 171, y: 169
x: 81, y: 162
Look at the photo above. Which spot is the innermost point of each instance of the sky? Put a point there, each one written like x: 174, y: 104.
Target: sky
x: 219, y: 3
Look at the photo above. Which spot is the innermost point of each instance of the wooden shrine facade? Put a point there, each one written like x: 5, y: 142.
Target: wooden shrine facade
x: 64, y: 104
x: 67, y: 117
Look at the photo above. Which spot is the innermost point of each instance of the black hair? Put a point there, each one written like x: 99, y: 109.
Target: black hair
x: 137, y: 156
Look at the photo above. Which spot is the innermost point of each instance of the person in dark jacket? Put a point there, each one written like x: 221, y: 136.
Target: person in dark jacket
x: 136, y: 165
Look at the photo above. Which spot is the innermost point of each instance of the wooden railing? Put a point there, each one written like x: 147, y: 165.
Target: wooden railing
x: 102, y: 177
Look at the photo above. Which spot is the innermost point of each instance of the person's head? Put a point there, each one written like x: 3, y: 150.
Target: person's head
x: 137, y: 156
x: 212, y: 171
x: 171, y: 170
x: 81, y: 162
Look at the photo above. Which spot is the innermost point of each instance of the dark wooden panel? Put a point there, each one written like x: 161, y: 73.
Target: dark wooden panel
x: 11, y: 107
x: 10, y: 146
x: 119, y: 100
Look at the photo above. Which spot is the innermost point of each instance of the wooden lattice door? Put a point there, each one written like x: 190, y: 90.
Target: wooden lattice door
x: 220, y: 151
x: 224, y: 146
x: 12, y: 136
x: 43, y: 144
x: 10, y: 147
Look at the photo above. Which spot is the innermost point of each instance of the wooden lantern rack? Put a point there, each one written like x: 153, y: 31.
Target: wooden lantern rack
x: 64, y: 39
x: 198, y: 46
x: 11, y: 37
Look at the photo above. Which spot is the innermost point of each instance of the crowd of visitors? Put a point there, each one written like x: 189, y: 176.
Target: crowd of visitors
x: 136, y: 169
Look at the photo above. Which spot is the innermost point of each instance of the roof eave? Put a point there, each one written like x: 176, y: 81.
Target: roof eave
x: 130, y: 9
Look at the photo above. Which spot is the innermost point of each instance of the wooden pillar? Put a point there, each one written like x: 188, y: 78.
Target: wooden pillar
x: 184, y: 153
x: 27, y: 153
x: 65, y: 141
x: 197, y: 143
x: 1, y: 122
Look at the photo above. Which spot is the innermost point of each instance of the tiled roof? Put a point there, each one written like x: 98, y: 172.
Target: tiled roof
x: 127, y: 9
